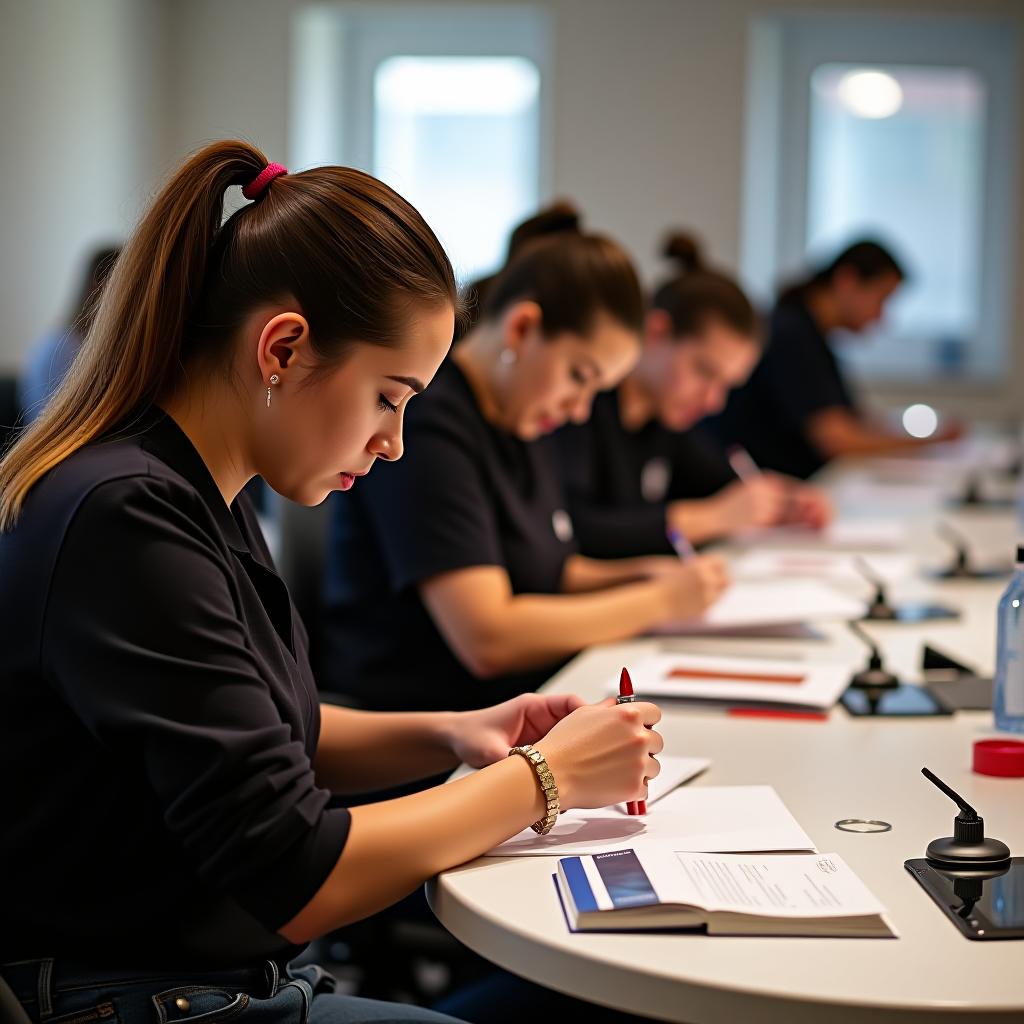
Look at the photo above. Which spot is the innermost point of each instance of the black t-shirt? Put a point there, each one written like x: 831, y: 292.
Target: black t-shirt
x: 464, y: 494
x: 797, y: 377
x: 158, y: 719
x: 619, y: 481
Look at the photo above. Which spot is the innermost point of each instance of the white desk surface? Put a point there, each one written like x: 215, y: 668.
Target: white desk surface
x: 506, y: 909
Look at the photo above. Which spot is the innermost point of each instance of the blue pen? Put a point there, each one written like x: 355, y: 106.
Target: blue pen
x: 682, y: 547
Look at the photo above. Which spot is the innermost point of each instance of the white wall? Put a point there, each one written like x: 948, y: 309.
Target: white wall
x: 81, y: 124
x: 649, y: 103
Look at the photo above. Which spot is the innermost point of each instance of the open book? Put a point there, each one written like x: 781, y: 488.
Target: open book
x: 657, y: 887
x: 715, y: 819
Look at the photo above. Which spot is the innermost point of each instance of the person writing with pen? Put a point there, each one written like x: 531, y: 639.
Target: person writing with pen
x: 466, y: 547
x: 798, y: 410
x: 147, y: 640
x: 640, y: 467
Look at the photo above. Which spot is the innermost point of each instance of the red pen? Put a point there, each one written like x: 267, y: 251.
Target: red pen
x: 626, y: 696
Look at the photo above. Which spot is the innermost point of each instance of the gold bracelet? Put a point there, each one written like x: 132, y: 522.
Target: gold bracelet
x: 547, y: 784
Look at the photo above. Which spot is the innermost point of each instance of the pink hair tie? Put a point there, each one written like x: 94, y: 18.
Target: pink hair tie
x: 255, y: 187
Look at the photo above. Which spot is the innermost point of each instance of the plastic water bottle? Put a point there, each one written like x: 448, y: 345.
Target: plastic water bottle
x: 1008, y: 699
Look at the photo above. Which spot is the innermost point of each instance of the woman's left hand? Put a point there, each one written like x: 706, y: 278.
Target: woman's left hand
x: 480, y: 738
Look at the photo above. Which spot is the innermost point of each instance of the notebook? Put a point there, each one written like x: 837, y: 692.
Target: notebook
x: 751, y: 682
x: 712, y: 819
x: 660, y: 888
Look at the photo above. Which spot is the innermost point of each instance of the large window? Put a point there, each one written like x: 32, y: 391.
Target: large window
x: 447, y: 104
x: 905, y: 129
x: 457, y: 136
x: 897, y: 153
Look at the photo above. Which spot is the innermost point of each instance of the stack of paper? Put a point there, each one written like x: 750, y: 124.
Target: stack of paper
x: 751, y: 682
x: 706, y: 819
x: 757, y: 604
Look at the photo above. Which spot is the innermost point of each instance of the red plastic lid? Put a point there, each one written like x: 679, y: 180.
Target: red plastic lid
x: 999, y: 757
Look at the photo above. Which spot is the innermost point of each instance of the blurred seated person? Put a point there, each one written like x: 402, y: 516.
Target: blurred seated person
x: 640, y: 466
x: 51, y: 356
x: 797, y: 411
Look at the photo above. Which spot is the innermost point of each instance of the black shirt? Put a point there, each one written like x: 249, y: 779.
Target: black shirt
x: 620, y: 481
x: 797, y: 377
x: 158, y: 719
x: 464, y: 494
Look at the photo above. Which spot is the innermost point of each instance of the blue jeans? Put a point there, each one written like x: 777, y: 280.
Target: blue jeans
x: 59, y: 993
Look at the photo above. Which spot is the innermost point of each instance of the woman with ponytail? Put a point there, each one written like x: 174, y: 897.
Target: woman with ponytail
x: 166, y: 771
x: 798, y: 411
x: 640, y: 468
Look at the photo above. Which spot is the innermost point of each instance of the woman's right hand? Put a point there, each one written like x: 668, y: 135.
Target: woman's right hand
x: 692, y: 587
x: 761, y: 501
x: 602, y: 754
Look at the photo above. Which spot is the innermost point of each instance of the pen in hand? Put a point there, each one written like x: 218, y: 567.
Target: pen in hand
x: 742, y: 464
x: 627, y: 696
x: 680, y: 544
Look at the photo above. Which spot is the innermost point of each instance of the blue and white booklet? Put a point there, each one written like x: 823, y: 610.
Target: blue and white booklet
x: 814, y: 894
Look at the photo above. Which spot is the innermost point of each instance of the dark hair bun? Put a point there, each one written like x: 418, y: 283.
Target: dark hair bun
x: 684, y: 250
x: 560, y: 216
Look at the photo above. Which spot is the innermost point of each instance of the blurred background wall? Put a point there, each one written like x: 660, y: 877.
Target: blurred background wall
x: 652, y: 119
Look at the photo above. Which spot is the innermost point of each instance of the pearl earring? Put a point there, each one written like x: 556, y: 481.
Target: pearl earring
x: 273, y: 380
x: 508, y: 356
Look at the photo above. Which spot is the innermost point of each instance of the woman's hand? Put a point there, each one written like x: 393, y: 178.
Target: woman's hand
x: 603, y: 753
x: 693, y: 586
x: 480, y: 738
x: 809, y: 506
x: 760, y: 501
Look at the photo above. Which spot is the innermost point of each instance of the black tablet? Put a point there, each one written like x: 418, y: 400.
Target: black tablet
x: 901, y: 702
x: 985, y: 905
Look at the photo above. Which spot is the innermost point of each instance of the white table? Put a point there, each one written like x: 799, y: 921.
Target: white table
x: 506, y: 909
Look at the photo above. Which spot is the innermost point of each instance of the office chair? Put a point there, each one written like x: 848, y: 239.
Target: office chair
x: 11, y: 1011
x: 10, y: 411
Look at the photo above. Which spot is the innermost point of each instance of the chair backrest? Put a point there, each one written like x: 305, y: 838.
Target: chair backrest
x: 11, y: 1011
x: 10, y: 411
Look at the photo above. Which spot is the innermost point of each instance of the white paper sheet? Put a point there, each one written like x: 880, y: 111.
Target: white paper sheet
x: 842, y: 534
x: 798, y: 886
x: 703, y: 819
x: 832, y: 566
x: 767, y: 603
x: 823, y: 681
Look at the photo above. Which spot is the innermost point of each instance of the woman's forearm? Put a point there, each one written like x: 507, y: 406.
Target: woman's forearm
x: 493, y: 631
x: 581, y: 574
x: 394, y: 846
x: 699, y: 519
x: 349, y: 753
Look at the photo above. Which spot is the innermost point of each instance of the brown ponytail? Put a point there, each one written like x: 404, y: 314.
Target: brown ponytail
x: 697, y: 294
x: 350, y: 252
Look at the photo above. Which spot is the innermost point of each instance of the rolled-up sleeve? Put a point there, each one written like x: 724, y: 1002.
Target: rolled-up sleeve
x: 144, y: 639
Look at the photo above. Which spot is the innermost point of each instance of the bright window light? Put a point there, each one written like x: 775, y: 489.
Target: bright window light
x: 872, y: 94
x: 920, y: 420
x: 459, y: 138
x: 457, y: 85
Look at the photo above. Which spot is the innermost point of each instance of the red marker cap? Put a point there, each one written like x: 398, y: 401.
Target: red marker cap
x: 999, y: 757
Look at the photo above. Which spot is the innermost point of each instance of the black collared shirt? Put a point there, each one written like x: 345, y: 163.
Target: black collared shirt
x: 464, y: 494
x: 797, y: 377
x: 621, y: 481
x: 158, y: 720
